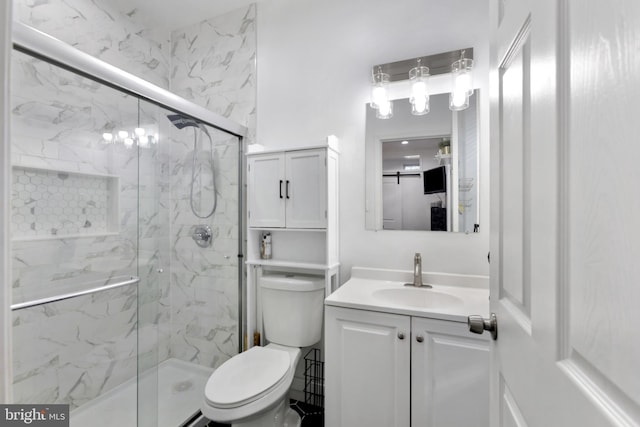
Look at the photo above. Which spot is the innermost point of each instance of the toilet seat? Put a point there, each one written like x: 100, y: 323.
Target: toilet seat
x: 255, y: 401
x: 247, y: 377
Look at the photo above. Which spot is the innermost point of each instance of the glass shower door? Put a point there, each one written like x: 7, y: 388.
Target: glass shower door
x: 196, y: 173
x: 74, y: 231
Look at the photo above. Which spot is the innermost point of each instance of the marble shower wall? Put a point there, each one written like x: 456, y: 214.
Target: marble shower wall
x: 213, y: 64
x: 97, y: 28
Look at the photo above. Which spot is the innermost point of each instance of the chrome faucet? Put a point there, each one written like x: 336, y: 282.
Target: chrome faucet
x: 417, y: 273
x: 417, y: 270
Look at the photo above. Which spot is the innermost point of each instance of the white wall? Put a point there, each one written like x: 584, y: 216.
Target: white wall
x: 314, y: 64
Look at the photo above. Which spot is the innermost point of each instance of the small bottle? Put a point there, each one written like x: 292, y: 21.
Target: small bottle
x: 265, y: 246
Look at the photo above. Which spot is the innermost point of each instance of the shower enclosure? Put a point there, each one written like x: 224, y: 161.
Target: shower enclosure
x: 117, y: 311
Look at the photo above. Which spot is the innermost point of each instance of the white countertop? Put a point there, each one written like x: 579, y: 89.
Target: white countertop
x: 359, y: 292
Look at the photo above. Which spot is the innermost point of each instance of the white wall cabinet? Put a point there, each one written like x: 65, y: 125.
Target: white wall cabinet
x: 394, y: 370
x: 288, y: 189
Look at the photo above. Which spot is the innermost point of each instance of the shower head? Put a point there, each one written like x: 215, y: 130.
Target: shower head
x: 181, y: 121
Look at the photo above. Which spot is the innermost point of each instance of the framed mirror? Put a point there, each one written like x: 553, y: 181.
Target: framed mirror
x: 422, y: 171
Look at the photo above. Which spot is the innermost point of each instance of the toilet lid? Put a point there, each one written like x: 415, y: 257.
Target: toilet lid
x: 246, y: 377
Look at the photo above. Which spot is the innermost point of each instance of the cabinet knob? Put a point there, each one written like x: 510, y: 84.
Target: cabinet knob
x: 419, y: 338
x: 401, y: 335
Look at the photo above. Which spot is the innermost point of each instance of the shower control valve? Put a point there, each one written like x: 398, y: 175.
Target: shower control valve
x: 203, y: 236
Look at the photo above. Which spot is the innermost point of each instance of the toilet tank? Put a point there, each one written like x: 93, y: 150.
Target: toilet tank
x: 292, y: 306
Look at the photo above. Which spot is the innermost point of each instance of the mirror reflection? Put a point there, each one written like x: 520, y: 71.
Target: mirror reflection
x: 423, y: 170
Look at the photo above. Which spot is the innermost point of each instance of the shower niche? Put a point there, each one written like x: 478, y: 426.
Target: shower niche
x: 49, y: 204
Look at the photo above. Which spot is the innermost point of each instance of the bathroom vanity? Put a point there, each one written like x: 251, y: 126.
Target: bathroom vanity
x: 397, y: 356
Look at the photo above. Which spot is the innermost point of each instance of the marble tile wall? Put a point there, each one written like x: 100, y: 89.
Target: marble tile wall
x: 97, y: 28
x: 204, y: 281
x: 213, y: 64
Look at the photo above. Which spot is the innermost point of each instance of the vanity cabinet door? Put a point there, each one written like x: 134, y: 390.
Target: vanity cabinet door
x: 449, y: 375
x: 266, y: 190
x: 367, y: 368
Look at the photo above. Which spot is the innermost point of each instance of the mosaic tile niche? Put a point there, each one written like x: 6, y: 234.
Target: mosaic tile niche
x: 49, y: 204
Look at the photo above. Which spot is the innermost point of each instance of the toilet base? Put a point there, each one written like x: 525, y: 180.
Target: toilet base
x: 279, y: 416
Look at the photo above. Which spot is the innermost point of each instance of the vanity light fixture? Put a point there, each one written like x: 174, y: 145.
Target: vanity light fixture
x: 419, y: 99
x: 418, y: 71
x: 461, y: 74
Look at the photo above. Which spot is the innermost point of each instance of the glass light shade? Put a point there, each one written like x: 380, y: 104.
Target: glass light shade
x: 128, y: 142
x: 123, y: 134
x: 419, y: 99
x: 385, y: 110
x: 139, y: 131
x: 379, y: 95
x: 108, y: 137
x: 461, y: 72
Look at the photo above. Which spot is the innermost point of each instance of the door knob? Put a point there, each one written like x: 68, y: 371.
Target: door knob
x: 401, y: 335
x: 419, y: 338
x: 478, y: 324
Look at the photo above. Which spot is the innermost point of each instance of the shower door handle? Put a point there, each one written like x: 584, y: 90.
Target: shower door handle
x: 281, y: 189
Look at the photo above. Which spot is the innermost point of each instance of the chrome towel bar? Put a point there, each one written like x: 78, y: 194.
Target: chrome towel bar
x: 19, y: 306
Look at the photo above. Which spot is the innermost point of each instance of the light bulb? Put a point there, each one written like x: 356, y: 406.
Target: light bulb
x: 385, y: 110
x: 458, y: 101
x: 462, y: 82
x: 128, y: 142
x: 108, y: 137
x: 420, y: 105
x: 419, y: 91
x: 379, y: 93
x: 123, y: 134
x: 139, y: 131
x: 419, y: 88
x: 378, y: 96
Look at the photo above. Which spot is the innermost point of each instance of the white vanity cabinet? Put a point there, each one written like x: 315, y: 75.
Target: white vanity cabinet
x: 288, y: 189
x: 386, y: 370
x: 367, y: 358
x: 449, y: 375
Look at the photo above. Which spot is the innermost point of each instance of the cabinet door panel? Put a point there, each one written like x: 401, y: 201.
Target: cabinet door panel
x: 306, y: 189
x: 367, y: 369
x: 450, y: 375
x: 266, y: 190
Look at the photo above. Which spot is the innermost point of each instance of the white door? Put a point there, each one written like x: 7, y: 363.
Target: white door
x: 306, y: 189
x: 266, y: 190
x: 367, y: 368
x: 391, y: 203
x: 565, y: 244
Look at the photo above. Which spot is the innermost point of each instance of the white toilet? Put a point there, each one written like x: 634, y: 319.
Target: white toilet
x: 251, y: 389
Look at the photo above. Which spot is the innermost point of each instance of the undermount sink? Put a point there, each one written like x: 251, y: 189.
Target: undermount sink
x: 416, y: 297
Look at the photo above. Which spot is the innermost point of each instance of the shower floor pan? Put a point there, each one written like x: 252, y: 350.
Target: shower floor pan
x: 180, y: 389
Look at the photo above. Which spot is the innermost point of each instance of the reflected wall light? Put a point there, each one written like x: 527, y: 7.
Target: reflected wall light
x: 417, y: 71
x: 139, y: 137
